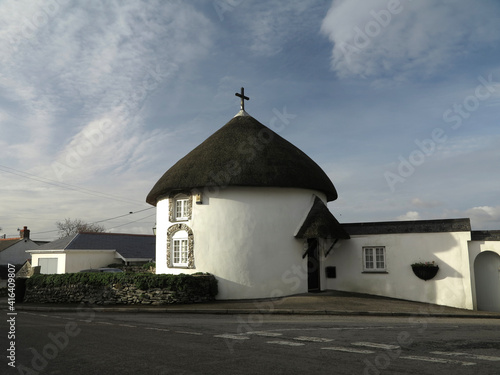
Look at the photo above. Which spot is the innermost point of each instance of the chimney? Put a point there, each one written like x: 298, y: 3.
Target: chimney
x: 24, y: 233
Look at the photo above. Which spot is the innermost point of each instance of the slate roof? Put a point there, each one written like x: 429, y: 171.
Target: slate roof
x: 6, y: 243
x: 410, y: 226
x: 129, y: 246
x: 59, y: 244
x: 485, y: 235
x: 320, y: 223
x: 244, y: 153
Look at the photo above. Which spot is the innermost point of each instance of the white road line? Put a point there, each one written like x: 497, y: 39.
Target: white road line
x: 470, y: 356
x: 62, y: 317
x: 264, y: 333
x: 190, y: 333
x: 287, y: 343
x: 107, y: 323
x: 158, y: 329
x: 349, y: 350
x: 437, y: 360
x: 127, y: 325
x: 375, y: 345
x: 42, y: 315
x: 312, y: 339
x: 232, y: 337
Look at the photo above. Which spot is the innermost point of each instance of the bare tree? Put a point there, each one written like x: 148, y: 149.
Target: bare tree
x: 69, y: 227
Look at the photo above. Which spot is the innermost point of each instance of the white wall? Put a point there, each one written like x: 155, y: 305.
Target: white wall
x: 451, y: 286
x: 76, y: 260
x: 245, y: 237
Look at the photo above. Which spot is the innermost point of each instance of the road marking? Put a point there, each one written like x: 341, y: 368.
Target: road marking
x: 264, y: 333
x: 190, y: 333
x: 43, y: 315
x: 312, y: 339
x: 127, y: 325
x: 158, y: 329
x: 287, y: 343
x: 437, y: 360
x: 375, y: 345
x: 232, y: 337
x: 349, y: 350
x: 109, y: 324
x: 471, y: 356
x: 62, y: 317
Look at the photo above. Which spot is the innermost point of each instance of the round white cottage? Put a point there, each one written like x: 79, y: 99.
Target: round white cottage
x: 248, y: 207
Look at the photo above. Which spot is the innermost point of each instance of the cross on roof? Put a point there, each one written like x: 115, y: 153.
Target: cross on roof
x: 243, y: 98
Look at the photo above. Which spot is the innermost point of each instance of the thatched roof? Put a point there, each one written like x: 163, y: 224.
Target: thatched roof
x: 243, y: 153
x: 320, y: 223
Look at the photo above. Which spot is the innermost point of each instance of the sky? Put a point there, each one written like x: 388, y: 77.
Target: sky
x: 397, y: 101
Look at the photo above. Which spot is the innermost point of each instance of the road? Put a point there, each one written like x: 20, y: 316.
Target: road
x: 86, y: 342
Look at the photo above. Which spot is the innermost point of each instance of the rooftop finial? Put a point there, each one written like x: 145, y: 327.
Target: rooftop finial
x: 243, y: 98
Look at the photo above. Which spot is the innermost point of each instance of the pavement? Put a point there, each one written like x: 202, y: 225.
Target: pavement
x: 323, y: 303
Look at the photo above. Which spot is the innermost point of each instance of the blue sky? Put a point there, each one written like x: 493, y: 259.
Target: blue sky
x: 397, y: 101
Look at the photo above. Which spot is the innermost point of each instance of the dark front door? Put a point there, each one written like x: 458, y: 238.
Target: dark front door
x: 313, y: 265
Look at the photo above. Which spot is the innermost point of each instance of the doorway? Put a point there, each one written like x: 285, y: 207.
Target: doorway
x: 313, y: 266
x: 487, y: 277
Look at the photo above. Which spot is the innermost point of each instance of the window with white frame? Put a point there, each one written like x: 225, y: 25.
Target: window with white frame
x: 181, y: 208
x: 180, y: 249
x: 374, y: 259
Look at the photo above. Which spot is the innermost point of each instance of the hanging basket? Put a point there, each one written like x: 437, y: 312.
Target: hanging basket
x: 425, y: 272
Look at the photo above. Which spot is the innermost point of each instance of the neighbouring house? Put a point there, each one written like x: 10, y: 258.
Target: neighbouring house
x: 13, y: 250
x: 93, y: 250
x: 251, y: 208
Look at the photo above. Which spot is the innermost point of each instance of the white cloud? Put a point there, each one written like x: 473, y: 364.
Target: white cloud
x: 67, y: 67
x: 410, y: 215
x: 481, y: 217
x: 402, y: 39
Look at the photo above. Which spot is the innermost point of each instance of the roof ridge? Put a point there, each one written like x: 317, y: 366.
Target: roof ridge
x: 118, y: 234
x: 71, y: 241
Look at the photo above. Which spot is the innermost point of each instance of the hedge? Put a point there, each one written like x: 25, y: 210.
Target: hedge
x: 175, y: 283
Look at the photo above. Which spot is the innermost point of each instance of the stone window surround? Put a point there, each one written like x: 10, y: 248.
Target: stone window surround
x: 170, y: 233
x: 171, y: 205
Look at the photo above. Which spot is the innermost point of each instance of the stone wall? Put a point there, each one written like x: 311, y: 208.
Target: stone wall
x: 123, y: 293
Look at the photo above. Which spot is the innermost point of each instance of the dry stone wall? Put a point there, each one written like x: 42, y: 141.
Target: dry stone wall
x: 122, y: 293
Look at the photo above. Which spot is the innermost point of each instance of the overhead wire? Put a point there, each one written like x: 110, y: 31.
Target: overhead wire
x: 64, y: 185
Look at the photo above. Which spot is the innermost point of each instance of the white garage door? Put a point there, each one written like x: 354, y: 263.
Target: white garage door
x: 47, y: 265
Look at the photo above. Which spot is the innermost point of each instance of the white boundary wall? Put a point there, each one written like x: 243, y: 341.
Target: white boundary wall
x: 451, y: 286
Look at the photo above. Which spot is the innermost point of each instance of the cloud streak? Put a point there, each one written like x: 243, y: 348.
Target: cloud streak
x: 405, y: 39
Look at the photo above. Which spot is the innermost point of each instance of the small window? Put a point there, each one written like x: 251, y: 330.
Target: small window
x: 180, y: 249
x: 374, y: 259
x: 181, y: 209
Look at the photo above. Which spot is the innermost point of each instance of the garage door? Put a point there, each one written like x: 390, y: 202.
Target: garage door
x: 47, y: 265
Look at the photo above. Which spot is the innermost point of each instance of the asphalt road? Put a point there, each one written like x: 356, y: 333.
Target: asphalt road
x: 149, y: 343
